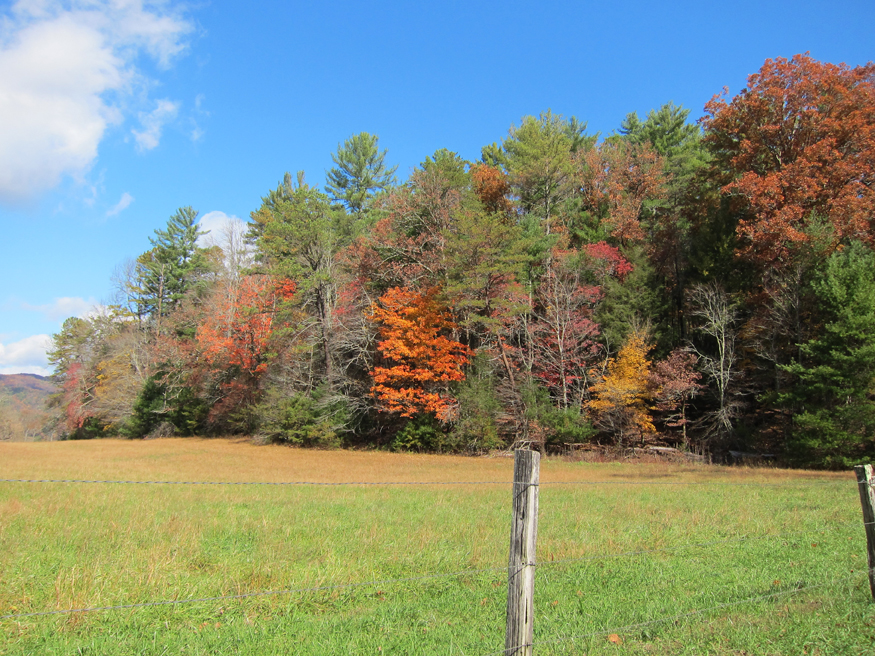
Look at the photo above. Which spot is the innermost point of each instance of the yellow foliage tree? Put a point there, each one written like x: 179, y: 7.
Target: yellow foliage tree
x: 620, y: 403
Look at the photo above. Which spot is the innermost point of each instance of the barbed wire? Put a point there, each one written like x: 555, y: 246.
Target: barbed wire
x: 701, y: 611
x: 315, y: 483
x: 724, y: 483
x: 355, y: 483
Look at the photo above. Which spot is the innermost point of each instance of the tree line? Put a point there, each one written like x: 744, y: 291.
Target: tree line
x: 708, y: 285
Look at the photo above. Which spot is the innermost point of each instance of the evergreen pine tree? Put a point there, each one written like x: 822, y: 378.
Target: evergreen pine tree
x: 359, y: 173
x: 834, y: 420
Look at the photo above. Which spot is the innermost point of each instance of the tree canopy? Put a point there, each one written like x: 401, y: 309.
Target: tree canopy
x: 708, y: 286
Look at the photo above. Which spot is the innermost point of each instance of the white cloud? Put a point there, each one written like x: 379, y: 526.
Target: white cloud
x: 67, y: 306
x: 26, y: 356
x: 153, y: 123
x: 228, y: 233
x: 219, y: 225
x: 120, y: 206
x: 65, y: 68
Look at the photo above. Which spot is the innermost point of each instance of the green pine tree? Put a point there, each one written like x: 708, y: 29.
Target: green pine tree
x: 359, y: 173
x: 833, y: 399
x: 173, y: 267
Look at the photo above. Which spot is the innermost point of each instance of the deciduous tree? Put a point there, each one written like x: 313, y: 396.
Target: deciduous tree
x: 798, y: 142
x: 716, y: 315
x: 676, y: 383
x: 419, y: 357
x: 621, y: 403
x: 233, y: 339
x: 563, y: 335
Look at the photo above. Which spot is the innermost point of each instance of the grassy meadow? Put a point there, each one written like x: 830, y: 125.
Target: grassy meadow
x: 643, y: 559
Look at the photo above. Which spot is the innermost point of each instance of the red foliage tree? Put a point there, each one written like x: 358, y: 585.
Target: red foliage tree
x: 562, y: 334
x: 606, y: 260
x: 420, y: 359
x: 677, y: 382
x: 798, y: 142
x: 233, y: 338
x: 78, y: 387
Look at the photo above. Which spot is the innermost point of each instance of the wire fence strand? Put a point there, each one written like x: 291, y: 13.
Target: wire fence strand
x: 355, y: 483
x: 316, y: 483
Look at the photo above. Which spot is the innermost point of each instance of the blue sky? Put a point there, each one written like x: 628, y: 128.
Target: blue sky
x: 114, y: 113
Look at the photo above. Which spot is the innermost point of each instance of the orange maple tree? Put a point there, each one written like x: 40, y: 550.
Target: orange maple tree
x: 419, y: 360
x: 798, y: 142
x: 492, y: 188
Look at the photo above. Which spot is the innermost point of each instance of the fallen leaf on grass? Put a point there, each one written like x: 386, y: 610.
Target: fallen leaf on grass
x: 614, y: 638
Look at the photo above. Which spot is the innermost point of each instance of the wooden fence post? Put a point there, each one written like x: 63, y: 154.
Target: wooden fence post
x: 521, y: 567
x: 867, y: 499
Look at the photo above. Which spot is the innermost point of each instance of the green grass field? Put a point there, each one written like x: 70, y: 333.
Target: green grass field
x: 646, y: 559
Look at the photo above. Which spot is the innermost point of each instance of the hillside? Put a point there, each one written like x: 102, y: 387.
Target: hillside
x: 23, y: 411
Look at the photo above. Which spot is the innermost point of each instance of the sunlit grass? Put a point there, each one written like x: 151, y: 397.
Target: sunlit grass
x: 694, y: 537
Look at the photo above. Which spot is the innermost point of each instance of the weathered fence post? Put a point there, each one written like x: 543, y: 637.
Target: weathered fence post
x: 867, y: 499
x: 521, y: 568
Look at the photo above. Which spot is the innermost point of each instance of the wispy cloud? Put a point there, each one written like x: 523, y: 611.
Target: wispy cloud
x: 64, y: 307
x: 197, y: 132
x: 66, y: 66
x: 120, y: 206
x: 153, y: 124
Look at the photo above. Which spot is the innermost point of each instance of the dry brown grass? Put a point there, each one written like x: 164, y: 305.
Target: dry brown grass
x: 238, y: 459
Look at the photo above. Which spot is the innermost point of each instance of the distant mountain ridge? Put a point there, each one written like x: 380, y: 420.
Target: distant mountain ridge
x: 21, y: 383
x: 24, y: 412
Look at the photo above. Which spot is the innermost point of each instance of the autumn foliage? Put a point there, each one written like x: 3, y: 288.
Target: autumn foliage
x: 492, y: 188
x: 618, y: 179
x: 419, y: 359
x: 622, y: 399
x: 799, y: 143
x: 236, y: 332
x: 233, y: 341
x: 607, y: 260
x: 676, y: 383
x: 490, y: 303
